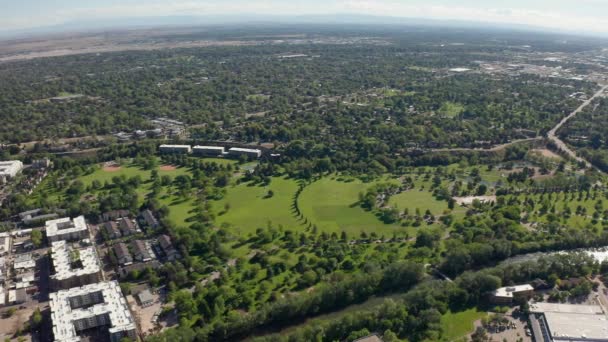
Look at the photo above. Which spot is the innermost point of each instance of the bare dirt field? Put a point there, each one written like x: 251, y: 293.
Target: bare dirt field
x: 547, y: 153
x: 113, y: 168
x: 168, y: 168
x: 9, y: 325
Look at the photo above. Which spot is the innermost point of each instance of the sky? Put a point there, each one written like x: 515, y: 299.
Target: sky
x: 583, y: 16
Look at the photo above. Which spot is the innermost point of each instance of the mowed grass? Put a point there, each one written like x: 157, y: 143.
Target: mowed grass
x: 420, y: 199
x: 457, y: 325
x: 332, y: 206
x: 250, y: 208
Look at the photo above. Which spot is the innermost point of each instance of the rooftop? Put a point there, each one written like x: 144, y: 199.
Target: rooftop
x: 508, y: 291
x: 114, y: 305
x: 65, y: 225
x: 62, y: 256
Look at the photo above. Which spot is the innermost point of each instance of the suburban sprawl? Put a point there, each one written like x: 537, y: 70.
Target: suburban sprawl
x: 299, y: 183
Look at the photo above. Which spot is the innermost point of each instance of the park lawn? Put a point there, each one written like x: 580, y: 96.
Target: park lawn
x: 332, y: 206
x: 458, y: 324
x: 180, y: 210
x: 421, y: 199
x: 219, y: 161
x: 249, y: 208
x: 129, y: 171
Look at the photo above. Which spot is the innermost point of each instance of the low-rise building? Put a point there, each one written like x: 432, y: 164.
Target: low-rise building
x: 73, y: 267
x: 9, y: 169
x: 111, y: 230
x: 18, y: 296
x: 554, y: 322
x: 141, y: 251
x: 114, y: 215
x: 208, y: 151
x: 127, y: 227
x: 505, y: 295
x: 149, y: 219
x: 123, y: 256
x: 5, y: 243
x: 23, y: 262
x: 175, y: 149
x: 145, y: 298
x: 67, y: 229
x: 167, y: 247
x: 248, y: 152
x: 91, y: 306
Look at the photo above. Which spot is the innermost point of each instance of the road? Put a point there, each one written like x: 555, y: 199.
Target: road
x: 560, y: 144
x: 491, y: 149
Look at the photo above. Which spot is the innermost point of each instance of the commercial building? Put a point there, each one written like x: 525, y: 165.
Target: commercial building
x: 73, y: 267
x: 208, y: 151
x: 553, y: 322
x: 249, y: 152
x: 91, y: 306
x: 505, y: 295
x: 67, y: 229
x: 176, y: 149
x: 9, y: 169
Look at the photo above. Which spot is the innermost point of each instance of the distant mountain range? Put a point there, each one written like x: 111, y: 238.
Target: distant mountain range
x: 269, y: 20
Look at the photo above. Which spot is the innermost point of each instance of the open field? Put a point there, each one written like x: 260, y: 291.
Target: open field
x: 459, y: 324
x: 250, y: 207
x: 332, y: 206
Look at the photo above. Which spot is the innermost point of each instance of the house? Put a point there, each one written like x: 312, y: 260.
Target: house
x: 114, y: 215
x: 248, y: 152
x: 145, y: 298
x: 140, y: 251
x: 127, y: 227
x: 123, y: 256
x: 505, y: 295
x: 167, y: 247
x: 111, y: 230
x: 149, y: 219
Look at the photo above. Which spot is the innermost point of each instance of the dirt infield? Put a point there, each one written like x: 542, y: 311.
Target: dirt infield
x: 168, y: 168
x: 111, y: 168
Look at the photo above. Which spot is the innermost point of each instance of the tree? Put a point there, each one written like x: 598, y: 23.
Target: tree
x: 36, y: 238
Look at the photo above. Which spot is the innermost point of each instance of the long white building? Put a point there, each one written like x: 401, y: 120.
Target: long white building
x: 249, y: 152
x: 67, y: 229
x: 178, y: 149
x: 73, y: 267
x: 208, y: 151
x: 9, y: 169
x: 91, y: 306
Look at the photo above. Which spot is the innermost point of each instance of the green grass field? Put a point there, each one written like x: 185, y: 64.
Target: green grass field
x: 457, y: 325
x: 332, y: 206
x: 249, y: 208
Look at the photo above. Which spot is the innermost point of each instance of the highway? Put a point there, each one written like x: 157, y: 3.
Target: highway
x: 560, y: 144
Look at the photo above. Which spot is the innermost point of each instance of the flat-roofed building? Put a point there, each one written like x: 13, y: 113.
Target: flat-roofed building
x: 9, y: 169
x: 248, y: 152
x: 505, y: 295
x: 67, y: 229
x: 208, y: 151
x: 176, y: 149
x: 23, y: 262
x: 5, y: 243
x: 74, y: 267
x: 552, y: 322
x: 88, y: 307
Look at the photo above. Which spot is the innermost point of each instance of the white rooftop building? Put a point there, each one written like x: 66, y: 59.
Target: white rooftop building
x: 9, y: 169
x: 506, y: 294
x: 5, y: 243
x: 568, y: 322
x: 74, y: 267
x: 67, y: 229
x: 175, y: 148
x: 91, y: 306
x: 210, y: 151
x: 249, y: 152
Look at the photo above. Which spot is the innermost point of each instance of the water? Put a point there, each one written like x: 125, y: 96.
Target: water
x: 599, y: 254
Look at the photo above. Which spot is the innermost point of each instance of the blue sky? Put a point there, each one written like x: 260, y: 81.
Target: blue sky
x: 574, y: 15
